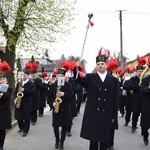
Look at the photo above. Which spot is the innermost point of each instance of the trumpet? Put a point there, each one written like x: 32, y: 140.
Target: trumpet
x: 58, y: 100
x: 19, y: 95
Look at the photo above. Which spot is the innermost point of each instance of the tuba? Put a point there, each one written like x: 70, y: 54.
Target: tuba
x: 57, y: 100
x: 19, y: 95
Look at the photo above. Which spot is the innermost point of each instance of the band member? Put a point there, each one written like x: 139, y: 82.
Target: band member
x: 102, y: 102
x: 61, y: 107
x: 36, y: 96
x: 137, y: 97
x: 5, y: 111
x: 145, y: 113
x: 43, y: 93
x: 22, y: 113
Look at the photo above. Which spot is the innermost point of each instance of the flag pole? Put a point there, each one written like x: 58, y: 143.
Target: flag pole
x: 90, y: 15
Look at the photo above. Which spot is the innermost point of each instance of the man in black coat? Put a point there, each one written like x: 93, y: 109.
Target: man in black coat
x: 145, y: 112
x: 102, y: 104
x: 62, y: 117
x: 36, y: 96
x: 22, y: 114
x: 5, y: 111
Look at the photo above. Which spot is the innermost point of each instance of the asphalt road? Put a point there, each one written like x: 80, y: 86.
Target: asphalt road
x: 41, y: 136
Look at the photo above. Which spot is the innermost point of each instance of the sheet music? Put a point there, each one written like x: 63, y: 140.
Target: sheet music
x: 61, y: 81
x: 4, y: 87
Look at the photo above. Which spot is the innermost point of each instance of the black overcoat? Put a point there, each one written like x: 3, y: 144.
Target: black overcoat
x: 36, y: 96
x: 145, y: 113
x: 137, y: 97
x: 5, y: 111
x: 126, y: 87
x: 43, y: 95
x: 24, y: 112
x: 101, y: 106
x: 73, y: 99
x: 63, y: 117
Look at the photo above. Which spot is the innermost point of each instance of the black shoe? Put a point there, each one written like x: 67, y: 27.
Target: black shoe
x: 133, y: 129
x: 126, y: 124
x: 69, y: 134
x: 145, y: 141
x: 40, y: 115
x: 57, y: 145
x: 33, y: 123
x: 24, y: 134
x: 61, y: 146
x: 19, y: 130
x: 122, y: 115
x: 110, y: 148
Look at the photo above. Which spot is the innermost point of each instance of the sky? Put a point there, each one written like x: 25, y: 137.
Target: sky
x: 106, y: 30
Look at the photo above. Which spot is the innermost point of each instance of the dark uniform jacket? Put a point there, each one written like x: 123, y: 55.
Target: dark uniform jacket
x: 126, y: 87
x: 43, y: 95
x: 36, y: 96
x: 145, y: 113
x: 101, y: 106
x: 137, y: 97
x: 63, y: 117
x: 5, y: 111
x: 24, y: 112
x: 73, y: 99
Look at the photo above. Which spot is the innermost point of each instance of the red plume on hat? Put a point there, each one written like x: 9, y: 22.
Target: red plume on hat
x: 73, y: 64
x: 121, y: 71
x: 35, y: 65
x: 4, y: 66
x: 141, y: 61
x: 55, y: 72
x: 128, y: 69
x: 104, y: 52
x: 28, y: 66
x: 112, y: 64
x: 66, y: 65
x: 44, y: 74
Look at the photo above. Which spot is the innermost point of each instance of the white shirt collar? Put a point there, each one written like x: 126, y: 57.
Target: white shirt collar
x: 24, y: 82
x: 102, y: 76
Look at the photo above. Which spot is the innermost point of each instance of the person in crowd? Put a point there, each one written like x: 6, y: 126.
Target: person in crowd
x: 101, y: 108
x: 71, y: 80
x: 59, y: 98
x: 36, y: 96
x: 43, y: 93
x: 145, y: 112
x: 79, y: 98
x: 112, y: 69
x: 137, y: 97
x: 52, y: 79
x: 26, y: 88
x: 5, y: 111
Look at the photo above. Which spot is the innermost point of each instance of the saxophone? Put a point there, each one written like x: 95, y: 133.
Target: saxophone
x: 19, y: 95
x: 144, y: 72
x: 57, y: 100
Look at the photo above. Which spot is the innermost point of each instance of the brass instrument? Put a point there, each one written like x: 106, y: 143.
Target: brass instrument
x: 144, y: 72
x: 57, y: 100
x: 19, y: 95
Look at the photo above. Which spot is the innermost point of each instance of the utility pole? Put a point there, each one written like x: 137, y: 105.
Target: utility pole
x: 121, y: 38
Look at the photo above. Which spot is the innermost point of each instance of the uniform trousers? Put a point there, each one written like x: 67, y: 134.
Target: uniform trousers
x: 145, y: 132
x: 135, y: 116
x: 127, y: 116
x: 97, y: 146
x: 63, y: 134
x: 41, y: 111
x: 111, y: 142
x: 24, y: 125
x: 2, y: 137
x: 33, y: 115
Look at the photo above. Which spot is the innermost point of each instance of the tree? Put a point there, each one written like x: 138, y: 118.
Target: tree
x: 26, y: 24
x: 19, y: 64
